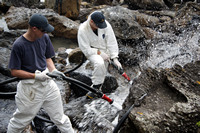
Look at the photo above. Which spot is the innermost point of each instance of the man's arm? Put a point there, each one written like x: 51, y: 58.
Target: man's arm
x: 52, y: 68
x: 22, y: 74
x: 50, y: 65
x: 84, y: 43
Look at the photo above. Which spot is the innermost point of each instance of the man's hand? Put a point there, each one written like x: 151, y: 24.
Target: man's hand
x: 41, y: 76
x: 105, y: 56
x: 57, y: 73
x: 117, y: 63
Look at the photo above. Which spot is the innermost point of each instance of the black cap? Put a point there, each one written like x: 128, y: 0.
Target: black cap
x: 99, y: 20
x: 41, y: 22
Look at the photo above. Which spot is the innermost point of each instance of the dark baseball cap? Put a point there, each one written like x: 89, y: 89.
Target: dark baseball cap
x: 41, y: 22
x: 99, y: 20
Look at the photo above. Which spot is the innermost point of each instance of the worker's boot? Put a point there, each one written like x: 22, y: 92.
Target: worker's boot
x: 92, y: 95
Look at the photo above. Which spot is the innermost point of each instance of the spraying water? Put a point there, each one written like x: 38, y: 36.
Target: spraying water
x: 100, y: 116
x: 3, y: 24
x: 174, y: 50
x: 118, y: 106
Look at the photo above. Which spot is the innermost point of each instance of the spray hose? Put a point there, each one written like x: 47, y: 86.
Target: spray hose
x: 84, y: 86
x: 13, y: 79
x: 126, y: 76
x: 121, y: 71
x: 9, y: 80
x: 136, y: 104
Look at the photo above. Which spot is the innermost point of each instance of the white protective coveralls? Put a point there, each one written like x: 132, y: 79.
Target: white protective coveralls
x: 31, y: 96
x: 89, y: 43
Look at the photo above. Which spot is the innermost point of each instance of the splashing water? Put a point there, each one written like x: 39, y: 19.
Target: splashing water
x: 182, y: 50
x: 3, y: 24
x: 100, y: 116
x: 118, y: 106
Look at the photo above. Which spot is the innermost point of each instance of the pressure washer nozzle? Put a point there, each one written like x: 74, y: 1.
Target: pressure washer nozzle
x: 107, y: 99
x: 125, y: 76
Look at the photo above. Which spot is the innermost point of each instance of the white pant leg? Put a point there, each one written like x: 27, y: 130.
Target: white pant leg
x: 54, y: 107
x: 28, y: 104
x: 100, y: 70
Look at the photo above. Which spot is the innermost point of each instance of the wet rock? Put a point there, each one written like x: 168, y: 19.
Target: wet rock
x: 7, y: 108
x: 76, y: 56
x: 6, y: 41
x: 62, y: 52
x: 41, y: 125
x: 169, y: 13
x: 186, y: 14
x: 169, y: 3
x: 19, y: 3
x: 7, y: 38
x: 102, y: 2
x: 84, y: 12
x: 64, y: 27
x: 110, y: 84
x: 149, y: 33
x: 60, y: 59
x: 123, y: 22
x: 68, y: 8
x: 132, y: 52
x: 146, y: 4
x: 4, y: 59
x: 1, y: 30
x: 172, y: 102
x: 3, y: 8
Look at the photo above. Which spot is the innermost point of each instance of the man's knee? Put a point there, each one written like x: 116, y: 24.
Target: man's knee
x: 13, y: 129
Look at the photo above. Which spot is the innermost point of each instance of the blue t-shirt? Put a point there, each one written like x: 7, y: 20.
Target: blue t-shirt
x: 31, y: 56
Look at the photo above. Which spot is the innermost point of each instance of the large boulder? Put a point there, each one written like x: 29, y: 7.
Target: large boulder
x: 19, y: 3
x: 17, y: 18
x: 146, y: 4
x: 4, y: 59
x: 172, y: 101
x: 68, y: 8
x: 123, y: 22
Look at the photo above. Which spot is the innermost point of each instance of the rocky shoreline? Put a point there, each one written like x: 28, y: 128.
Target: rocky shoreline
x: 173, y: 93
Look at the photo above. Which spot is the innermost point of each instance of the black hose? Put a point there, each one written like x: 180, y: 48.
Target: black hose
x: 81, y: 86
x: 6, y: 95
x: 83, y: 60
x: 120, y: 123
x: 17, y: 79
x: 43, y: 119
x: 79, y: 83
x: 12, y: 94
x: 9, y: 80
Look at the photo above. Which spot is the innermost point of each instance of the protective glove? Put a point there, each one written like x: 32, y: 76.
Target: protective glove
x: 105, y: 56
x: 57, y: 73
x: 41, y: 76
x: 117, y: 63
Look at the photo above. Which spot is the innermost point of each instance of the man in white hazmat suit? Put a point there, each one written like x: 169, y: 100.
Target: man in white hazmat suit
x: 97, y: 41
x: 30, y: 60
